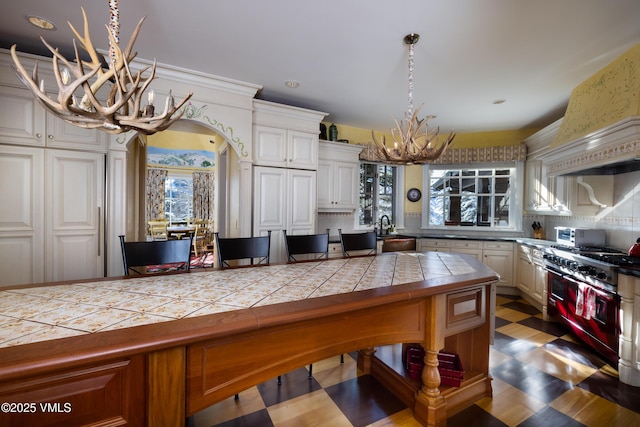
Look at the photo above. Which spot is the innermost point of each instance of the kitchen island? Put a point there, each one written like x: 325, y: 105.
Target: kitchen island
x: 155, y: 350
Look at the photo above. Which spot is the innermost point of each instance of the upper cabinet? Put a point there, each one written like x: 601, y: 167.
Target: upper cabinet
x: 285, y: 136
x: 285, y: 148
x: 24, y: 121
x: 554, y: 194
x: 338, y: 165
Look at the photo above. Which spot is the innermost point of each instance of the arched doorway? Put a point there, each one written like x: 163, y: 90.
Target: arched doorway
x: 186, y: 138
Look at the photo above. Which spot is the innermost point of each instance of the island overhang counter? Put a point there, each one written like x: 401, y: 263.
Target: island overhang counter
x: 225, y: 331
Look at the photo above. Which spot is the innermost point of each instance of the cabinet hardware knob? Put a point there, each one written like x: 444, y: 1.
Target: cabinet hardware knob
x: 38, y: 135
x: 50, y: 136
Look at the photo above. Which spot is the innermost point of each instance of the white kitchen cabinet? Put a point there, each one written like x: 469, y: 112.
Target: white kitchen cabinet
x: 24, y: 121
x: 531, y: 275
x: 51, y: 226
x: 285, y: 148
x: 284, y: 199
x: 434, y: 245
x: 469, y: 247
x: 338, y: 169
x: 499, y: 257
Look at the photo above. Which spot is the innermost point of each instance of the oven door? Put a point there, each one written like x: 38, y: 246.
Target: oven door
x: 557, y: 293
x: 601, y: 328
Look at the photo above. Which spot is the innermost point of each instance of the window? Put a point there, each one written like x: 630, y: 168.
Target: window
x: 471, y: 197
x: 379, y: 194
x: 178, y: 197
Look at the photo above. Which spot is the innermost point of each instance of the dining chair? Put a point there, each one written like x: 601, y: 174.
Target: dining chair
x: 235, y: 248
x: 316, y: 245
x: 200, y: 234
x: 358, y: 242
x: 156, y: 256
x: 306, y: 244
x: 158, y: 229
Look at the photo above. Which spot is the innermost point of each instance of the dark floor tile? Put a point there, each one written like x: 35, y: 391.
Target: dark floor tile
x: 511, y: 346
x: 294, y: 384
x: 550, y: 417
x: 522, y: 307
x: 511, y: 297
x: 533, y: 382
x: 500, y: 322
x: 363, y: 400
x: 577, y: 352
x: 474, y: 416
x: 547, y: 327
x: 259, y: 418
x: 612, y: 389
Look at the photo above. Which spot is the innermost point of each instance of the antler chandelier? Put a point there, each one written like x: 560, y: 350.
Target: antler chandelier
x: 413, y: 141
x: 121, y: 112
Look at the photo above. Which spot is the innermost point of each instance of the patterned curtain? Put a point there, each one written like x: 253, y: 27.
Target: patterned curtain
x: 155, y: 193
x: 203, y: 195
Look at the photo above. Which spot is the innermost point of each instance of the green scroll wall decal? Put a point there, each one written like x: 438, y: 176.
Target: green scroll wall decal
x: 193, y: 112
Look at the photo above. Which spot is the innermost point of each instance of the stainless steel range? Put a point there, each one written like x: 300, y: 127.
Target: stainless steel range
x: 582, y: 293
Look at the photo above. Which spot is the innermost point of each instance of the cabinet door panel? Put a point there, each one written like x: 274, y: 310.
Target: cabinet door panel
x: 345, y: 185
x: 325, y: 184
x: 21, y: 117
x: 21, y: 215
x: 270, y: 191
x: 302, y: 150
x: 75, y: 200
x: 61, y: 134
x: 502, y: 263
x: 302, y: 202
x: 270, y: 146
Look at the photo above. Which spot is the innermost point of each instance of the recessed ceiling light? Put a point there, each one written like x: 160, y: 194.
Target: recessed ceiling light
x: 292, y: 84
x: 499, y: 101
x: 40, y: 22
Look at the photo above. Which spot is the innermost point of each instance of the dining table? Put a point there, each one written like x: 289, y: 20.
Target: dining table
x: 179, y: 231
x: 154, y: 350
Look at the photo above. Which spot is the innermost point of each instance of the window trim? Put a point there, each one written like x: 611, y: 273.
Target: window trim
x: 174, y: 174
x: 515, y: 202
x: 399, y: 202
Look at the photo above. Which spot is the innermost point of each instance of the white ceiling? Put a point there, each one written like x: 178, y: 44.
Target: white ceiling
x: 349, y: 57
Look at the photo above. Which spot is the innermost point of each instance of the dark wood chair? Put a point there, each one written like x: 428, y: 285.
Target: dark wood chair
x: 360, y: 242
x: 165, y: 255
x: 312, y: 244
x: 243, y: 248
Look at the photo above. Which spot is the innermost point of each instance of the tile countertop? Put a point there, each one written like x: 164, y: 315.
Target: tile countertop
x: 32, y: 314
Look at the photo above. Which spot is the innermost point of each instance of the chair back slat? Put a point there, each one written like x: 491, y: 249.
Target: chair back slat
x: 243, y: 248
x: 306, y: 244
x: 157, y: 252
x: 358, y: 242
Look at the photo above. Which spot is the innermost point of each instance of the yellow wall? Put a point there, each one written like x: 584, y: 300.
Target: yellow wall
x: 184, y: 140
x: 462, y: 140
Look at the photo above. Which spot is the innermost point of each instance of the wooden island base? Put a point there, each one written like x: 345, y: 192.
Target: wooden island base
x: 386, y: 366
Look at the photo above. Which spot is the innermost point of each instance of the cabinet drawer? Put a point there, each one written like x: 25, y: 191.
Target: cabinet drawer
x: 466, y: 244
x: 435, y: 243
x: 500, y: 246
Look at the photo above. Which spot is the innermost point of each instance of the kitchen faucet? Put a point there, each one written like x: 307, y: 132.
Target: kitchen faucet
x: 382, y: 229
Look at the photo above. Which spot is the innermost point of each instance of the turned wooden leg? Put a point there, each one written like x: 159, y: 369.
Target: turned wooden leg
x: 364, y: 359
x: 430, y: 408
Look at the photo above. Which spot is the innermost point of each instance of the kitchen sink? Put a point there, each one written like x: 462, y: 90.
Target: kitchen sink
x: 398, y: 243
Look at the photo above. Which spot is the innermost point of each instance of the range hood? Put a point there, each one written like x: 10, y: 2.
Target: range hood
x: 612, y: 150
x: 600, y: 131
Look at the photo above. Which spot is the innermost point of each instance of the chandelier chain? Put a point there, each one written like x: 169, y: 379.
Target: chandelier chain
x: 413, y: 142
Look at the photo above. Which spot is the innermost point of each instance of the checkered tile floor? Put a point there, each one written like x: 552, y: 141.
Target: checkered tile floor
x: 542, y: 376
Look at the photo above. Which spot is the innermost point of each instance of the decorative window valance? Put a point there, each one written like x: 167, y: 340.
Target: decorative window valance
x: 506, y: 153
